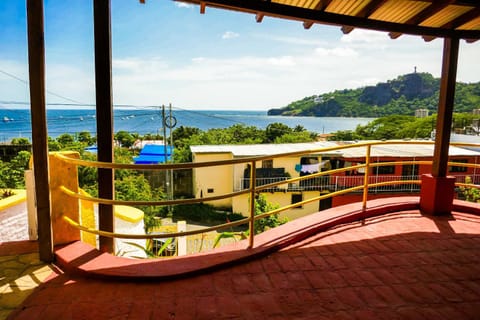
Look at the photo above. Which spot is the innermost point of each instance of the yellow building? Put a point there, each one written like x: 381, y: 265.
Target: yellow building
x: 220, y: 180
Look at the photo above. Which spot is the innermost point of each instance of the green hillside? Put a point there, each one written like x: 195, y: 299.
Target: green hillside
x: 402, y: 96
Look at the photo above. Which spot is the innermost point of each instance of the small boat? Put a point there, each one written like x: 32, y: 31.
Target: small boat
x: 6, y: 119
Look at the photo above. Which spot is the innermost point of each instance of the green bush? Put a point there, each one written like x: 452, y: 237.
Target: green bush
x: 203, y: 213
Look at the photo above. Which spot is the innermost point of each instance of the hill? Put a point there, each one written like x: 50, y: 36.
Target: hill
x: 402, y: 96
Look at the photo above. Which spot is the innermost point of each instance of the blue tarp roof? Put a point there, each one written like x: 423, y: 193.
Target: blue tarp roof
x: 153, y: 154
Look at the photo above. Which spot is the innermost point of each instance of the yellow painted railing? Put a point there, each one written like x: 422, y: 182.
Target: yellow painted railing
x: 252, y: 190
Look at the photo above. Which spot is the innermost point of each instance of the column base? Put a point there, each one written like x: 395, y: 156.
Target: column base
x: 437, y: 194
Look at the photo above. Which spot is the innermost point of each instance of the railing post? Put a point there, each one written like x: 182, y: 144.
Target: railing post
x: 251, y: 223
x: 366, y: 177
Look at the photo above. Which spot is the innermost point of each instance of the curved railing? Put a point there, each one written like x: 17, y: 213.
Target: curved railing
x: 252, y: 190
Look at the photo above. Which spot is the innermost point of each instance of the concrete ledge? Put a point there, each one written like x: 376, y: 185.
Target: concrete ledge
x: 82, y: 259
x: 19, y: 196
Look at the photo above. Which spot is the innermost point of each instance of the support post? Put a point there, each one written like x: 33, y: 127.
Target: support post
x: 438, y: 189
x: 104, y: 110
x: 253, y: 184
x: 36, y: 64
x: 445, y: 107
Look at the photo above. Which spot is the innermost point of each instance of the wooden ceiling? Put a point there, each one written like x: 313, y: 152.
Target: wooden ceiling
x: 427, y: 18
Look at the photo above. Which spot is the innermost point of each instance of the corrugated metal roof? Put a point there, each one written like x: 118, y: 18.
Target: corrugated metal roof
x: 450, y: 18
x: 252, y: 150
x: 404, y: 151
x: 384, y: 150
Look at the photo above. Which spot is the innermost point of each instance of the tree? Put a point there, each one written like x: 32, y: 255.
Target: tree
x: 294, y: 137
x: 12, y: 174
x: 20, y: 141
x: 275, y: 130
x: 65, y: 139
x: 124, y: 138
x: 86, y: 137
x: 272, y: 221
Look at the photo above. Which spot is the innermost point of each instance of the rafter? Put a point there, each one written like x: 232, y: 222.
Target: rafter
x: 259, y: 17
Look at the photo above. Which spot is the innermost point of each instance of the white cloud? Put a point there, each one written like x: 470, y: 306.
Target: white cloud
x: 183, y: 5
x: 293, y: 40
x: 230, y: 35
x: 365, y: 36
x: 336, y: 52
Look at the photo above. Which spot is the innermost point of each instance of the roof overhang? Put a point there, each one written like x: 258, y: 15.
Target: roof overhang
x: 428, y: 18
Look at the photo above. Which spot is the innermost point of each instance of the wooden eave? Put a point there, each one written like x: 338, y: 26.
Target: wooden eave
x: 428, y: 18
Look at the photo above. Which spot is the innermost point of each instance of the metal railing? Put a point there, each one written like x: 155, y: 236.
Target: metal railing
x: 366, y: 183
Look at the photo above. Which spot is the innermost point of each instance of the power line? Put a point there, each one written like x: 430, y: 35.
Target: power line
x: 48, y: 91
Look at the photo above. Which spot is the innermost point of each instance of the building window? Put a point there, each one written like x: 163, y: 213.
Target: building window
x: 267, y: 164
x: 297, y: 198
x: 459, y: 169
x: 384, y: 170
x: 410, y: 170
x: 308, y: 160
x: 210, y: 190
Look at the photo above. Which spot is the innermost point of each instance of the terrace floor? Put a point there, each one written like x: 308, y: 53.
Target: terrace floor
x: 401, y: 265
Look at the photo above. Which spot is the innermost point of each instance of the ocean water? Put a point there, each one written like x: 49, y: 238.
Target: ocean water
x: 17, y: 123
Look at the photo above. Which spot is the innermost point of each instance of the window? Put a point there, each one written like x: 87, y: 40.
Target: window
x: 458, y: 169
x: 384, y: 170
x: 267, y: 164
x: 308, y: 160
x: 297, y: 198
x: 409, y: 170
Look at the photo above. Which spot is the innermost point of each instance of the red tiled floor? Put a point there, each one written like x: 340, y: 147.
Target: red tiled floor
x: 397, y: 266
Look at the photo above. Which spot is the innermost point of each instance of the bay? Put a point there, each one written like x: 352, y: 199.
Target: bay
x: 16, y: 122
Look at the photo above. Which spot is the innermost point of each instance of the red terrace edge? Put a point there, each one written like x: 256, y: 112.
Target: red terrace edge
x: 83, y: 259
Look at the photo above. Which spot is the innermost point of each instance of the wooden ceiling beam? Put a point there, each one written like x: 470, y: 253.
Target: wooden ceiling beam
x: 259, y: 17
x: 307, y: 24
x: 347, y: 29
x: 302, y: 14
x: 322, y: 5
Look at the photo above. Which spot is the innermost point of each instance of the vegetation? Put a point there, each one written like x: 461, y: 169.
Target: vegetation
x: 471, y: 194
x: 184, y: 137
x: 403, y: 127
x: 202, y: 212
x: 261, y: 206
x: 12, y: 173
x: 400, y: 96
x: 5, y: 193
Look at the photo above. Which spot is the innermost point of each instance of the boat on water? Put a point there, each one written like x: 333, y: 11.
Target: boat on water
x: 6, y: 119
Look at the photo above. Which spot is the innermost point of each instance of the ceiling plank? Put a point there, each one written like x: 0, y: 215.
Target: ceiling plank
x: 464, y: 18
x: 370, y: 8
x: 429, y: 11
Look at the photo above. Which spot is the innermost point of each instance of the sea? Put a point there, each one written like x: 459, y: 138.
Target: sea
x: 17, y: 122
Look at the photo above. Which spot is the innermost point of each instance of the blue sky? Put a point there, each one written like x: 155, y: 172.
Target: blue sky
x: 167, y: 52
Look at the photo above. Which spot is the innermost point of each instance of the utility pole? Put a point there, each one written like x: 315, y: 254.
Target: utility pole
x: 165, y: 151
